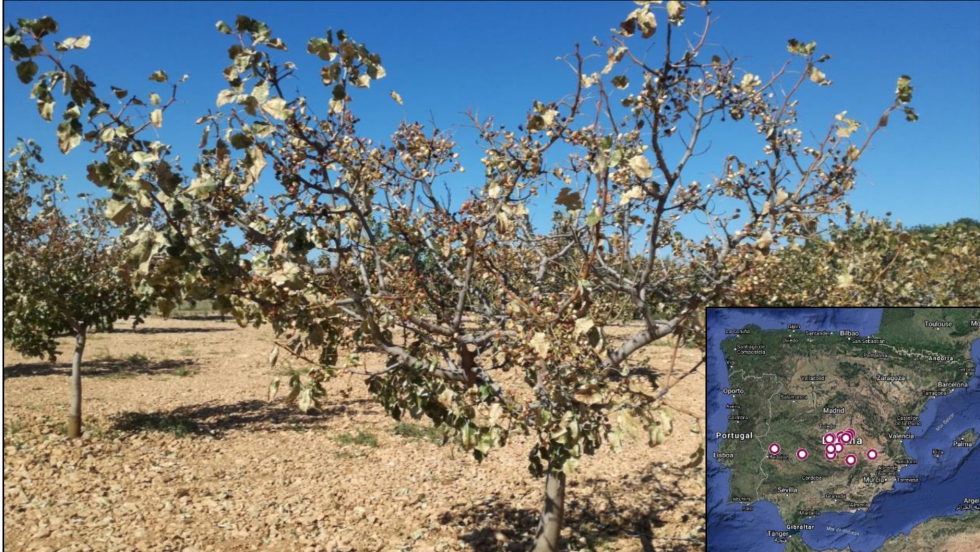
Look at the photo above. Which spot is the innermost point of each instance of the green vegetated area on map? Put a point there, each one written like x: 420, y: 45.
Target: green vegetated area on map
x: 871, y: 406
x: 968, y: 436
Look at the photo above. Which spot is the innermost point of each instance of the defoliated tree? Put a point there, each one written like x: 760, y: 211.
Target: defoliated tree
x: 61, y: 274
x: 489, y: 327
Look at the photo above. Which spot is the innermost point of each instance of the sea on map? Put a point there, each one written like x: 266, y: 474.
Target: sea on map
x: 838, y: 429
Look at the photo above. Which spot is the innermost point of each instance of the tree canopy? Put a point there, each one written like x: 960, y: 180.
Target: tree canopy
x: 457, y: 298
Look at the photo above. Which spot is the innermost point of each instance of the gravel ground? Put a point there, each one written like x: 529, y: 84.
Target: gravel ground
x: 181, y: 451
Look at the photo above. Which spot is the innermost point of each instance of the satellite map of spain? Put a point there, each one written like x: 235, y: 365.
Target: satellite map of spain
x: 838, y: 429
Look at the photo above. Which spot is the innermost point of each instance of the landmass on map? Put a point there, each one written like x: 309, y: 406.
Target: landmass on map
x: 959, y: 533
x: 793, y: 387
x: 947, y: 534
x: 966, y: 439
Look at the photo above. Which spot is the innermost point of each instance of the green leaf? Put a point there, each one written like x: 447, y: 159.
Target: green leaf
x: 620, y: 82
x: 39, y: 27
x: 240, y: 140
x: 154, y: 98
x: 156, y: 117
x: 119, y: 92
x: 593, y: 218
x: 158, y: 76
x: 26, y: 71
x: 910, y: 114
x: 260, y: 31
x: 10, y: 36
x: 242, y: 23
x: 798, y: 48
x: 223, y: 27
x: 904, y: 90
x: 396, y: 96
x: 274, y: 388
x: 323, y: 48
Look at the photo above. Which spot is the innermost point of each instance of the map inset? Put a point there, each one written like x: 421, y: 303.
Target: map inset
x: 843, y: 429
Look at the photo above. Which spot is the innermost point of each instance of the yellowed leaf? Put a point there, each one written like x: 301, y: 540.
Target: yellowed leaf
x: 641, y: 166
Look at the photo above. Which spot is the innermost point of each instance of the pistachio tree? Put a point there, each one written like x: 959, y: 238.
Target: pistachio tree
x: 872, y: 262
x: 491, y: 327
x: 61, y: 274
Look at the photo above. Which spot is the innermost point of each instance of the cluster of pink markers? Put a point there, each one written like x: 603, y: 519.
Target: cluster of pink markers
x: 833, y: 445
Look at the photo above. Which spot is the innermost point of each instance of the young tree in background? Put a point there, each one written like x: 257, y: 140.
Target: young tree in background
x: 61, y: 274
x: 488, y: 326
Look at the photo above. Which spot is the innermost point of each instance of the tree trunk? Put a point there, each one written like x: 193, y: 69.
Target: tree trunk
x: 75, y: 412
x: 552, y: 514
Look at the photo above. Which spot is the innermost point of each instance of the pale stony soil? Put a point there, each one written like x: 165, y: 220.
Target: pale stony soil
x: 253, y: 475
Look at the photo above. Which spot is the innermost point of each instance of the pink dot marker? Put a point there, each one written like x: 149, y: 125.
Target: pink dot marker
x: 838, y: 448
x: 774, y: 448
x: 830, y: 456
x: 802, y: 454
x: 872, y: 454
x: 830, y: 449
x: 846, y: 438
x: 840, y: 436
x: 828, y: 438
x: 850, y: 459
x: 851, y: 431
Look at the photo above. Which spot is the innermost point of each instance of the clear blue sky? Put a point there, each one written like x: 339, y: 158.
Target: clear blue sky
x: 495, y: 58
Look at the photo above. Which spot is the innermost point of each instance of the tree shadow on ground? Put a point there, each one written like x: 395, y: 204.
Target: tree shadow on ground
x: 106, y: 367
x: 202, y: 316
x: 151, y: 331
x: 216, y: 419
x: 598, y: 512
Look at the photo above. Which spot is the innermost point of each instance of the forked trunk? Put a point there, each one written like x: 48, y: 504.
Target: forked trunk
x: 552, y: 514
x: 75, y: 412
